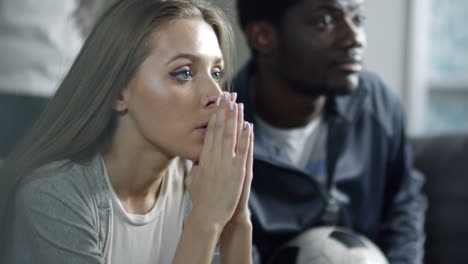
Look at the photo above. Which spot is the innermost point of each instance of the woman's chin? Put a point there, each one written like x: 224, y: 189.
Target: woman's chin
x: 192, y: 153
x: 194, y: 156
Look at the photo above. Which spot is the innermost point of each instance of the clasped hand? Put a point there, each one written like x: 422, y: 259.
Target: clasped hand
x: 219, y: 184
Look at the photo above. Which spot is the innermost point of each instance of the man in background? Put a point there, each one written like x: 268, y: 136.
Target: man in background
x: 330, y: 144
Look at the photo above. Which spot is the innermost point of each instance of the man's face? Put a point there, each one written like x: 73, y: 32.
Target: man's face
x: 320, y: 46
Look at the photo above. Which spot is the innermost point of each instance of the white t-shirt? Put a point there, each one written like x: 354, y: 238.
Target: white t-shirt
x: 304, y: 146
x: 153, y: 237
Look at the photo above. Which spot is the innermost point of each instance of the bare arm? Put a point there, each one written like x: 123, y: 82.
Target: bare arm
x: 198, y: 241
x: 236, y: 244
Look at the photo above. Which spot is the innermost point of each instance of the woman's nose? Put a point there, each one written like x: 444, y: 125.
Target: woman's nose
x: 211, y: 93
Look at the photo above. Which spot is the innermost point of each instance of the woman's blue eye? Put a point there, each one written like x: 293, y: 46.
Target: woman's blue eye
x: 217, y: 75
x: 183, y: 75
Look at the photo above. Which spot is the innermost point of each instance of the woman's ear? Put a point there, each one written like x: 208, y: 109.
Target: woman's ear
x: 262, y: 37
x: 120, y: 105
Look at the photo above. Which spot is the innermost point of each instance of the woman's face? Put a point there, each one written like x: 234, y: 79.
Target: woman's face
x: 173, y: 94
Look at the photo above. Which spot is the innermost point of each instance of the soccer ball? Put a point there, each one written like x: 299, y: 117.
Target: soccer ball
x: 329, y: 245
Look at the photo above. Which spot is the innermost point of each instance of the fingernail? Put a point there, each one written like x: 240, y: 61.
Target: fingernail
x: 226, y: 96
x: 231, y: 105
x: 234, y: 97
x: 245, y: 125
x: 218, y: 100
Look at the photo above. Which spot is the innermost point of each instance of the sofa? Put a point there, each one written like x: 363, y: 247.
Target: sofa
x: 444, y: 161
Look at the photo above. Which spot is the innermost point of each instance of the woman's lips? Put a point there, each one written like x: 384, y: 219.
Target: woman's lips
x: 202, y: 129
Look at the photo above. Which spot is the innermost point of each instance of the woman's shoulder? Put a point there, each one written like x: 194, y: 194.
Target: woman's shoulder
x: 57, y: 203
x: 64, y: 181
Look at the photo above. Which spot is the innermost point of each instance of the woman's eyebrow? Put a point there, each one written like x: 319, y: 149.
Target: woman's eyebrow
x: 192, y: 57
x: 188, y: 56
x: 219, y: 60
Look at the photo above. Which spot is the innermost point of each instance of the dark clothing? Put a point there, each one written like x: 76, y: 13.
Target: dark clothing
x: 369, y: 169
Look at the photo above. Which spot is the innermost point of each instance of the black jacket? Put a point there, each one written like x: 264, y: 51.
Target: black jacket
x: 370, y: 175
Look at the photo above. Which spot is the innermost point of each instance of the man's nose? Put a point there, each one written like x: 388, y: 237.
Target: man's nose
x: 352, y: 36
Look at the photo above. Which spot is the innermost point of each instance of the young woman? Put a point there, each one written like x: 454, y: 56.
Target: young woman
x: 102, y: 177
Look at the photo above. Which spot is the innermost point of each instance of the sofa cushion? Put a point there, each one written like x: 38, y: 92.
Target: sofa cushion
x: 444, y: 161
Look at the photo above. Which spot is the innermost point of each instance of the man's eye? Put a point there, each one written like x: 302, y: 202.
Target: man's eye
x: 183, y: 75
x: 359, y: 20
x: 325, y: 21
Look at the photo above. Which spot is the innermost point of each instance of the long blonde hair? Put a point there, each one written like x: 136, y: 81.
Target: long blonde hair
x: 80, y: 115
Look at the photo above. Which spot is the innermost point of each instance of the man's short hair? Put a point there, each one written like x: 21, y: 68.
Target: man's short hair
x: 249, y: 11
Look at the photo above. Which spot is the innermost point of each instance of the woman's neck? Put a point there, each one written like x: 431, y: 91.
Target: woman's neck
x: 136, y: 172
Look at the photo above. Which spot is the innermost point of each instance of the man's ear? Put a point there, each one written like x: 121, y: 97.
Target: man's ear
x: 262, y: 37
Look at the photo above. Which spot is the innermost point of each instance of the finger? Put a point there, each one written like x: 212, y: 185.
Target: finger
x: 208, y: 143
x: 233, y: 96
x: 240, y: 122
x: 249, y: 165
x: 240, y: 118
x: 223, y: 99
x: 243, y: 145
x: 230, y: 130
x: 248, y: 172
x: 209, y: 135
x: 219, y: 124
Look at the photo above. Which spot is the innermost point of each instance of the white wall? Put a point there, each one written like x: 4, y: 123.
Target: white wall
x: 386, y: 33
x: 397, y: 50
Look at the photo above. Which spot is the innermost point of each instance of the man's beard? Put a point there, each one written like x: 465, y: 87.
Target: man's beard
x: 312, y: 90
x: 321, y: 85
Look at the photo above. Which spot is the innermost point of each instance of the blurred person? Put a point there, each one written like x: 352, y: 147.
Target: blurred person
x: 330, y: 144
x: 104, y: 175
x: 87, y: 12
x: 38, y: 42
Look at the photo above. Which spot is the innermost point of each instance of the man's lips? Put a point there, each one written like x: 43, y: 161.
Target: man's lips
x: 351, y: 62
x: 351, y: 66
